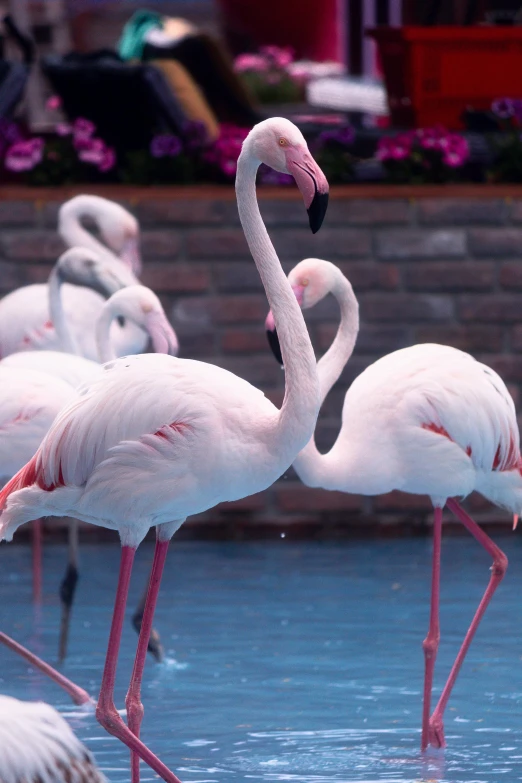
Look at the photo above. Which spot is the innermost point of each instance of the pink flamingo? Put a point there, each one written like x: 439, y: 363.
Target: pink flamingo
x: 118, y: 229
x: 138, y: 305
x: 158, y: 438
x: 428, y: 420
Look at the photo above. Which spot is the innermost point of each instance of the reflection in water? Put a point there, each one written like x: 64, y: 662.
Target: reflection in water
x: 289, y: 662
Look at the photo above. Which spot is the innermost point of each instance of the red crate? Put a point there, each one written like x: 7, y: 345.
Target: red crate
x: 433, y: 73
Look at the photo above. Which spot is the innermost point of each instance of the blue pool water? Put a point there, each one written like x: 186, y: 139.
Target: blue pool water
x: 289, y: 661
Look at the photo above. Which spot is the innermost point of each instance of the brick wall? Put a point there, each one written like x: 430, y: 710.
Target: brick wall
x: 424, y: 269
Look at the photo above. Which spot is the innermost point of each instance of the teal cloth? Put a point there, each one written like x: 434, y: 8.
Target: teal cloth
x: 131, y: 43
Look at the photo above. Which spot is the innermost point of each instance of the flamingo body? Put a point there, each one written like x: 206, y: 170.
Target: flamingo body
x: 74, y: 370
x: 149, y: 435
x: 36, y: 744
x: 29, y: 402
x: 429, y: 420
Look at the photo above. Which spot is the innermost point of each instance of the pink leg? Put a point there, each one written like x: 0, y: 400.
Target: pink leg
x: 431, y: 642
x: 133, y: 700
x: 498, y: 570
x: 106, y: 712
x: 78, y: 695
x: 37, y: 560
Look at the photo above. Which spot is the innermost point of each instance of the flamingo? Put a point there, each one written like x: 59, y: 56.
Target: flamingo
x: 142, y: 307
x: 118, y: 228
x: 160, y: 438
x: 428, y: 420
x: 29, y: 402
x: 31, y: 316
x: 36, y: 744
x: 136, y: 303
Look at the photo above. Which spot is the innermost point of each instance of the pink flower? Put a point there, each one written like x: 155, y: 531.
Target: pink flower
x: 53, y: 103
x: 228, y: 167
x: 399, y: 151
x: 108, y: 160
x: 250, y: 62
x: 63, y: 129
x: 282, y: 57
x: 24, y: 155
x: 453, y: 159
x: 83, y: 128
x: 93, y: 152
x: 383, y: 148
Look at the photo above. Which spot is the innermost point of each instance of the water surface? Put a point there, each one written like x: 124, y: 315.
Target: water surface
x: 289, y: 662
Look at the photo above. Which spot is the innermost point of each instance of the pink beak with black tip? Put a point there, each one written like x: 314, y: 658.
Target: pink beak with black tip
x: 311, y: 182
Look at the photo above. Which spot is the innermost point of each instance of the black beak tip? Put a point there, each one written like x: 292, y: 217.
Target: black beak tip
x: 273, y: 341
x: 317, y: 211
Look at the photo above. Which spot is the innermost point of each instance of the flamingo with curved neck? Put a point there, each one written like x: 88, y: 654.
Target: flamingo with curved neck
x: 201, y: 434
x: 428, y: 420
x: 118, y: 229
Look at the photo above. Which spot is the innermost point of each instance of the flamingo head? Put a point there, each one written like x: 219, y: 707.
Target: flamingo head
x: 84, y: 267
x: 311, y: 279
x: 119, y: 230
x: 140, y: 305
x: 278, y: 143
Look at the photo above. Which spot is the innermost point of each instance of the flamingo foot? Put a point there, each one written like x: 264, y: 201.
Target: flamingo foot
x: 436, y: 732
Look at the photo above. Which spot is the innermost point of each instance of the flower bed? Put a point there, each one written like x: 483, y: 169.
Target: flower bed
x: 74, y: 153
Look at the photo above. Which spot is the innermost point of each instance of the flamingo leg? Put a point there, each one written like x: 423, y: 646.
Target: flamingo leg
x: 154, y: 647
x: 106, y: 712
x: 430, y: 644
x: 37, y: 561
x: 68, y: 589
x: 133, y: 699
x: 498, y: 569
x: 77, y: 694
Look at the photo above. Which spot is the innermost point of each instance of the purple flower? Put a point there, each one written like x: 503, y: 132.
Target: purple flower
x: 165, y: 145
x: 108, y: 160
x: 195, y: 134
x: 24, y: 155
x: 502, y: 107
x: 344, y: 136
x: 53, y: 103
x: 83, y: 128
x: 9, y: 131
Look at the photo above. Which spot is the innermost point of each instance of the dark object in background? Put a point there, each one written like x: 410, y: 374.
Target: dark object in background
x: 129, y: 104
x: 212, y: 70
x: 14, y: 75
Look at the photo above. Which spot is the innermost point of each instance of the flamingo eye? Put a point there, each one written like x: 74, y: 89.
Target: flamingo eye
x: 304, y: 282
x: 283, y: 142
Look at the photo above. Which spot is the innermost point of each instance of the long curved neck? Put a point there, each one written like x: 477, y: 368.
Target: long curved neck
x: 106, y: 352
x: 74, y: 234
x: 58, y: 318
x: 296, y: 420
x: 312, y: 467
